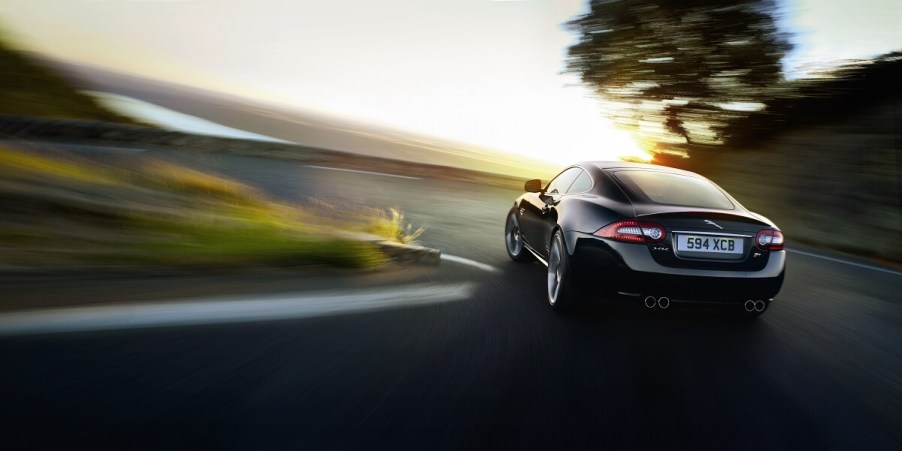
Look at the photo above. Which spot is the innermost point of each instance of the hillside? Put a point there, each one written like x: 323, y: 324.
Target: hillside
x: 822, y: 161
x: 835, y: 185
x: 29, y: 88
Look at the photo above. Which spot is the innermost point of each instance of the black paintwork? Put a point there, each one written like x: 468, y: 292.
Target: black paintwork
x: 541, y: 214
x: 579, y: 215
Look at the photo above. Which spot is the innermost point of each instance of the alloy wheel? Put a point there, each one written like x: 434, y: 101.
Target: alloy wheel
x: 554, y: 272
x: 514, y: 240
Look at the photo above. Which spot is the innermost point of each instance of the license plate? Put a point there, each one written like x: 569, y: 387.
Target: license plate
x: 709, y: 244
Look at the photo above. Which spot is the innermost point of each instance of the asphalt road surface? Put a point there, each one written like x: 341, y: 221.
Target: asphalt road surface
x: 492, y: 367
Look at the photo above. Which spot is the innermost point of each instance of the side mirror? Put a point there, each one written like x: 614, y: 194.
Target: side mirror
x: 533, y: 186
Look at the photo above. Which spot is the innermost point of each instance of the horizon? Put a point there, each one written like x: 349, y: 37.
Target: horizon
x: 400, y: 65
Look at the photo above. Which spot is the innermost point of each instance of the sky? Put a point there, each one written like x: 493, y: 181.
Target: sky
x: 484, y: 72
x: 831, y: 30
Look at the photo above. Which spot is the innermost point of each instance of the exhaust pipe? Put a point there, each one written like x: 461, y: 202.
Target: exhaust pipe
x: 750, y: 305
x: 663, y: 302
x: 759, y: 306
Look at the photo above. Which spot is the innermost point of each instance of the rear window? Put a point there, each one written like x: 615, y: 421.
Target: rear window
x: 674, y: 189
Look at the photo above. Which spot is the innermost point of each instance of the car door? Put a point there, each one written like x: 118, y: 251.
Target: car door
x: 538, y: 214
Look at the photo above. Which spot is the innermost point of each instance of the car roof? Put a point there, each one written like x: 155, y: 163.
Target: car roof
x: 603, y: 165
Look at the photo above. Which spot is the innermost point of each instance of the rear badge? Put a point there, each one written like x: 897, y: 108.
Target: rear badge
x: 710, y: 222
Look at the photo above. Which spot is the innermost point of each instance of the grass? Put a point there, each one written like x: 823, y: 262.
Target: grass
x: 179, y: 178
x: 16, y: 163
x: 393, y: 227
x: 215, y: 243
x: 63, y: 212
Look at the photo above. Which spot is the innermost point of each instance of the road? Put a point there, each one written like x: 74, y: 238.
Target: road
x: 822, y: 369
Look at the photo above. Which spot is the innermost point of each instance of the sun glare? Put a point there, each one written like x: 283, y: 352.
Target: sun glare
x: 635, y: 153
x: 574, y: 129
x: 598, y: 141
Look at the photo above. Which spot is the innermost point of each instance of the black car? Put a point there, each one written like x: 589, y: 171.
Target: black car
x: 661, y: 235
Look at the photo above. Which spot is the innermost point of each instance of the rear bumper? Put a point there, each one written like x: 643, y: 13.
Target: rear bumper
x: 612, y: 267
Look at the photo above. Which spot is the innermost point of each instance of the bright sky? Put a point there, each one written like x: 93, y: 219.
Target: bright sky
x: 479, y: 71
x: 829, y: 30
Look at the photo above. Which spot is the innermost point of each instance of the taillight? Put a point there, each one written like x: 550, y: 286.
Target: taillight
x: 633, y: 232
x: 769, y: 239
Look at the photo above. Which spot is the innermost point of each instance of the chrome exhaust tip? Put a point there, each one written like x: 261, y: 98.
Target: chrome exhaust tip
x: 760, y: 306
x: 663, y: 302
x: 750, y: 305
x: 650, y: 302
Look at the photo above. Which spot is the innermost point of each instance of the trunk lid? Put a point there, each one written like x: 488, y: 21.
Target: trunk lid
x: 706, y: 239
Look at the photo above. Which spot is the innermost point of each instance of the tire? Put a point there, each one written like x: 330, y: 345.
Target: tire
x: 561, y: 295
x: 513, y: 240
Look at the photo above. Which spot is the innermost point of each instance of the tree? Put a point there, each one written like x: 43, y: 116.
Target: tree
x: 679, y: 71
x: 826, y: 96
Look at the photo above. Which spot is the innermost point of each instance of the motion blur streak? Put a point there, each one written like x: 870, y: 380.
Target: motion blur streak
x: 224, y: 310
x: 846, y: 262
x: 363, y: 172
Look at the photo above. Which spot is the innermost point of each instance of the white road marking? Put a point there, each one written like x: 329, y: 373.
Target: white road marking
x: 224, y: 309
x: 468, y: 262
x: 362, y: 172
x: 860, y: 265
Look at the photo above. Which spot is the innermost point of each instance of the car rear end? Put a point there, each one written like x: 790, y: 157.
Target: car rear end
x: 688, y: 242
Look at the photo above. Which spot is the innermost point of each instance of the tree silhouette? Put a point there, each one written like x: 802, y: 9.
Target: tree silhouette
x: 834, y: 95
x: 679, y: 71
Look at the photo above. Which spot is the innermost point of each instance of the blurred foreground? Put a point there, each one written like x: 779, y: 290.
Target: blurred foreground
x: 491, y: 369
x: 62, y: 211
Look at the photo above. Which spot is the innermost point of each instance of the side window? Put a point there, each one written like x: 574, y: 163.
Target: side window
x: 582, y: 183
x: 560, y: 183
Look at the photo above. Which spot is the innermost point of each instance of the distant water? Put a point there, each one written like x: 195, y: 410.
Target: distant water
x: 172, y: 120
